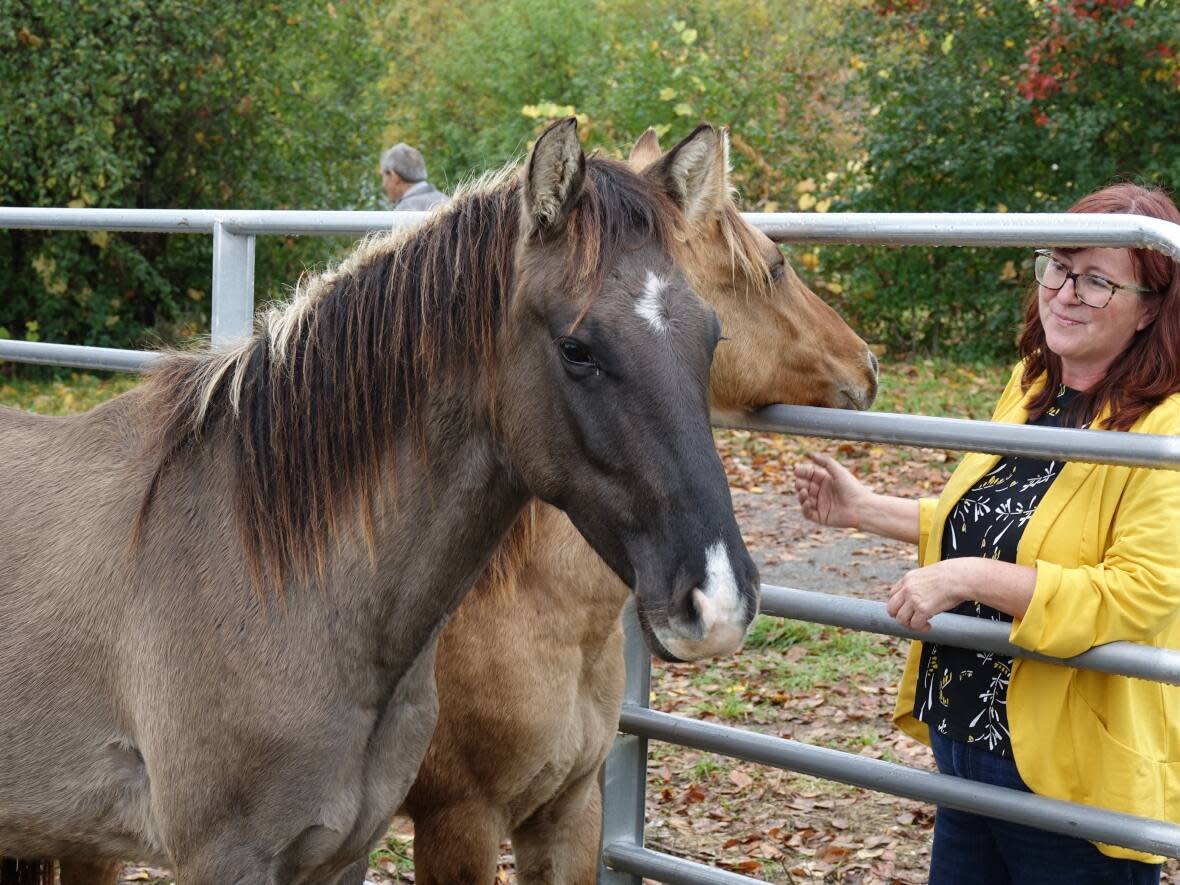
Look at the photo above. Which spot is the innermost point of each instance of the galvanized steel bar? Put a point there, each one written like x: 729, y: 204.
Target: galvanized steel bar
x: 198, y: 221
x: 179, y: 221
x: 232, y: 316
x: 1120, y: 658
x: 624, y: 774
x: 1054, y: 815
x: 665, y: 868
x: 897, y: 228
x: 970, y: 229
x: 1098, y: 446
x: 321, y: 223
x: 78, y: 357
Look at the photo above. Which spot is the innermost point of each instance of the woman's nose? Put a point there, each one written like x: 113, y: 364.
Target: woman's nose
x: 1071, y: 286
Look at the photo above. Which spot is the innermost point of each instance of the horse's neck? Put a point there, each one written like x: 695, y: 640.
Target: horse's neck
x: 447, y: 506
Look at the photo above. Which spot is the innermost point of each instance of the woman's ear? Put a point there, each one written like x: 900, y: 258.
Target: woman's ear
x: 1150, y: 311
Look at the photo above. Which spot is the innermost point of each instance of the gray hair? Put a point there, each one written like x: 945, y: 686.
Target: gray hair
x: 405, y: 161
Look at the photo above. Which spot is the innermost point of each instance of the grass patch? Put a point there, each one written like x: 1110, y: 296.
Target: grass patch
x: 780, y: 634
x: 728, y: 705
x: 825, y: 654
x: 67, y: 395
x: 393, y: 856
x: 707, y: 768
x: 941, y: 387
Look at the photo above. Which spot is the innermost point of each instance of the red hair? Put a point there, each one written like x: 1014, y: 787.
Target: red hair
x: 1149, y: 369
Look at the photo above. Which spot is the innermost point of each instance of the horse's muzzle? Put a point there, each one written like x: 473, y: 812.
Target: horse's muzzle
x: 709, y: 615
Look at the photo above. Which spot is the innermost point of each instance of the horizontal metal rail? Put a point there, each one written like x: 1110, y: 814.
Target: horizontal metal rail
x: 1119, y: 658
x: 76, y: 356
x: 897, y: 228
x: 1069, y: 818
x: 233, y: 230
x: 961, y: 434
x: 626, y: 857
x: 246, y: 222
x: 970, y: 229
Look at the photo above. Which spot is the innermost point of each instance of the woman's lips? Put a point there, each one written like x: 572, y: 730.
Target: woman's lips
x: 1066, y: 321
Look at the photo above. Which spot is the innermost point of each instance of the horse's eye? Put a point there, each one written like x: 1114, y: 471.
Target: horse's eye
x: 776, y: 272
x: 575, y: 354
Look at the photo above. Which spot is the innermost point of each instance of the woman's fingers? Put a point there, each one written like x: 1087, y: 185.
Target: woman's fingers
x: 910, y: 602
x: 828, y: 464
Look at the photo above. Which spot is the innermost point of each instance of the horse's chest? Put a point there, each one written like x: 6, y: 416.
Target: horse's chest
x: 569, y: 746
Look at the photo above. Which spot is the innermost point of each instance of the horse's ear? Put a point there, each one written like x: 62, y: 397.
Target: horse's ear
x: 553, y: 177
x: 646, y: 151
x: 695, y: 173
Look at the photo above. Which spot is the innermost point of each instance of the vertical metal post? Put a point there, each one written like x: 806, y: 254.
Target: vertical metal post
x: 624, y: 774
x: 233, y: 286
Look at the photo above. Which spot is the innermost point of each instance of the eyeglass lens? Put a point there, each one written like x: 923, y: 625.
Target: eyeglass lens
x: 1090, y: 289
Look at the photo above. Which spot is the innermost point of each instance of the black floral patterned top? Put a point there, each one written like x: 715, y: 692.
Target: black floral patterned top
x: 964, y: 693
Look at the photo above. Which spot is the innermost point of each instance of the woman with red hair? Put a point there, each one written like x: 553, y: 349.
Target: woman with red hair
x: 1073, y: 555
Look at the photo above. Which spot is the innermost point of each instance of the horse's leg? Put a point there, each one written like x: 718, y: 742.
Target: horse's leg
x: 89, y: 872
x: 558, y: 844
x: 457, y: 846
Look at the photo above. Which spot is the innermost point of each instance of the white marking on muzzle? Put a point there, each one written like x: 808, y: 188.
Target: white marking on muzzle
x: 650, y: 305
x: 721, y: 608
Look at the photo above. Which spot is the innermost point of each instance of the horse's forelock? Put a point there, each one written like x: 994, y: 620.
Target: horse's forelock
x: 618, y: 207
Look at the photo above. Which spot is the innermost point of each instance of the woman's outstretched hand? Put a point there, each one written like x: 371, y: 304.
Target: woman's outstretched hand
x: 829, y: 494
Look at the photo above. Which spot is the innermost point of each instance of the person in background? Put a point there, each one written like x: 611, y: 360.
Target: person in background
x: 1073, y: 555
x: 403, y: 175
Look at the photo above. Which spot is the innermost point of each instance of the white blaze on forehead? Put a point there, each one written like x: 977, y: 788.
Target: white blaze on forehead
x: 721, y: 608
x: 650, y: 305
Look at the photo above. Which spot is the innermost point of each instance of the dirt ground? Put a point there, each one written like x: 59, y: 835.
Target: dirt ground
x: 771, y: 825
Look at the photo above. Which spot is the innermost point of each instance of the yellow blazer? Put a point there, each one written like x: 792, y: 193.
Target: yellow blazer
x: 1105, y: 541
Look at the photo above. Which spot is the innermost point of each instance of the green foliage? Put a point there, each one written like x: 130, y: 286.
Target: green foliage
x: 65, y: 394
x: 171, y: 104
x: 1004, y: 106
x: 856, y: 105
x: 473, y: 83
x: 940, y: 386
x: 394, y: 856
x: 780, y: 634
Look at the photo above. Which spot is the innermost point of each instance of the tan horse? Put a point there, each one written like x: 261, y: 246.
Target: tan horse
x: 530, y: 668
x: 221, y: 592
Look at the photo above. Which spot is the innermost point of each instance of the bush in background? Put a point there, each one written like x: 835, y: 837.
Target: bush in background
x: 472, y: 83
x: 854, y: 105
x: 171, y: 104
x: 1008, y: 105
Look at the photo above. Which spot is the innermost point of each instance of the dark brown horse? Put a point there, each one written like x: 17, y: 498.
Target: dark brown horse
x: 221, y: 592
x: 530, y: 668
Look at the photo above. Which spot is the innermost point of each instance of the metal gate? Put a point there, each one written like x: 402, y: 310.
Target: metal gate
x: 625, y: 859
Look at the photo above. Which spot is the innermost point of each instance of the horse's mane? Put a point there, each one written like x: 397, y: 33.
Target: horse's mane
x: 744, y: 249
x: 311, y: 402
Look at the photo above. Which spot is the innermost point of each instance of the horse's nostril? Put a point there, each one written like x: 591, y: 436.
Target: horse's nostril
x: 696, y: 613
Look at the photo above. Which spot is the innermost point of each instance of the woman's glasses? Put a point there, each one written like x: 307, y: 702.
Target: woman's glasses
x: 1090, y: 289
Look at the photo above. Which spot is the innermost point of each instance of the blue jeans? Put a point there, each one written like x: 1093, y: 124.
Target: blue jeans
x: 970, y: 849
